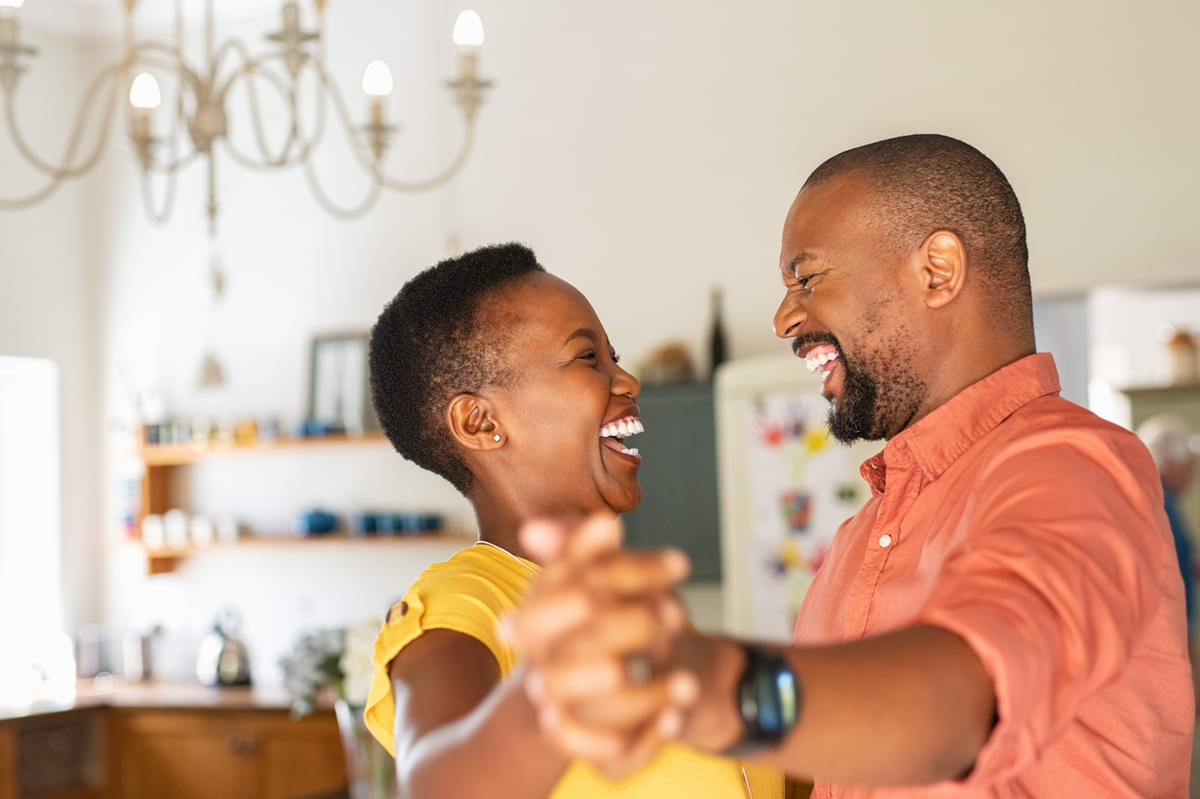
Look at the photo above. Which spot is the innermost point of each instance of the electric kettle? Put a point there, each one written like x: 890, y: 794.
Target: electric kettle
x: 223, y: 659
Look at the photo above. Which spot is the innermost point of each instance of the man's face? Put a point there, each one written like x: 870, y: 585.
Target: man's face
x: 850, y: 309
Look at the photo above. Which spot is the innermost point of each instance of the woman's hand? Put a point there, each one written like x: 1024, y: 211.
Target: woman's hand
x: 601, y: 631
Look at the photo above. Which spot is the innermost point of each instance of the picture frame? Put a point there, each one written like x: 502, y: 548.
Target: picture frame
x: 339, y: 394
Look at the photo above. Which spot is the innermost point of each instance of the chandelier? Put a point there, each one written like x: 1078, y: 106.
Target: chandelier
x: 197, y: 118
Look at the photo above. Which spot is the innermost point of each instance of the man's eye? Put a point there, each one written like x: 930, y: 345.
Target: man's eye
x: 802, y: 281
x: 590, y: 355
x: 615, y: 358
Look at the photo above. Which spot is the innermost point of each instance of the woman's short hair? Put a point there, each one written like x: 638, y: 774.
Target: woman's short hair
x: 429, y: 344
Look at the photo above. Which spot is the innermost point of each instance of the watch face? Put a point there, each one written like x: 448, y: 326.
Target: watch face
x: 768, y: 695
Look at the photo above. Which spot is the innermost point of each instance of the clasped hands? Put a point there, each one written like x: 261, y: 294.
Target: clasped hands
x: 612, y: 667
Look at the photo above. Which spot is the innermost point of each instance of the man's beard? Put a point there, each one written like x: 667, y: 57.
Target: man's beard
x: 856, y: 415
x: 864, y: 411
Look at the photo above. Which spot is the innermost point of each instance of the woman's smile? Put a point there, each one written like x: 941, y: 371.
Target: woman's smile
x: 613, y: 435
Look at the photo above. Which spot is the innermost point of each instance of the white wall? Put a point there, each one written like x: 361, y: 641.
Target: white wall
x: 48, y: 290
x: 646, y: 151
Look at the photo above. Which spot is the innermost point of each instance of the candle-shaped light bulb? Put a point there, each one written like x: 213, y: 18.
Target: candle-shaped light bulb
x: 468, y: 29
x: 144, y: 92
x: 377, y: 79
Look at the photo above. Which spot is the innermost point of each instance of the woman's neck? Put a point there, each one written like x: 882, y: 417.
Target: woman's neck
x: 500, y: 521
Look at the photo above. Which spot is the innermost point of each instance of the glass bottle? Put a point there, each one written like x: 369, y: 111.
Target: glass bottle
x: 717, y: 350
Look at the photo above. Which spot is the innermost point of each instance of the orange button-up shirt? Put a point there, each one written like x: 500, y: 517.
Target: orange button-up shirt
x: 1034, y: 530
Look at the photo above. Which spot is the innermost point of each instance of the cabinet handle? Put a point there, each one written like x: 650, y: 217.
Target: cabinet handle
x: 243, y: 747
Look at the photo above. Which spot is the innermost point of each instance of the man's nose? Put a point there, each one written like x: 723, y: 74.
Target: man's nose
x: 789, y: 317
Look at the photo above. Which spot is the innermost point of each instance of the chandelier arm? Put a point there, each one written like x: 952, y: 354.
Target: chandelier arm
x: 174, y: 162
x: 66, y: 170
x: 246, y: 160
x: 308, y: 145
x: 333, y: 209
x: 249, y: 70
x: 319, y: 127
x: 372, y: 167
x: 156, y: 216
x: 144, y: 53
x: 19, y: 203
x: 439, y: 179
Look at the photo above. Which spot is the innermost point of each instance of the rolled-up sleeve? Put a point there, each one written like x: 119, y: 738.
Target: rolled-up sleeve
x: 1064, y: 558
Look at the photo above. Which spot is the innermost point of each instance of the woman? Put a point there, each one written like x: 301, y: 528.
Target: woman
x: 498, y: 376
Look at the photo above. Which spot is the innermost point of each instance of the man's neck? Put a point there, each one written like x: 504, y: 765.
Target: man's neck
x: 954, y: 379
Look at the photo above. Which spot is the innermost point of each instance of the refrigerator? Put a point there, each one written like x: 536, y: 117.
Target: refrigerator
x: 785, y: 486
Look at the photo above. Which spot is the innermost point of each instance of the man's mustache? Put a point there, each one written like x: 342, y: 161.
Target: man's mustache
x: 808, y: 339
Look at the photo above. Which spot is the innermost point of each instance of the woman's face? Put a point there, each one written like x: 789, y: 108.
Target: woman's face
x: 562, y: 451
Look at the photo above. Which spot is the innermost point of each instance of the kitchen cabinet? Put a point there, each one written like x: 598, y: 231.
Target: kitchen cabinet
x: 60, y: 755
x: 171, y: 740
x: 235, y: 754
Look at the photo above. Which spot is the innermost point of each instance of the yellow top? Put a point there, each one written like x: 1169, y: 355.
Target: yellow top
x: 468, y: 594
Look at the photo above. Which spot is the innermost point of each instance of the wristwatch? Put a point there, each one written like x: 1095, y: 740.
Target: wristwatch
x: 769, y: 699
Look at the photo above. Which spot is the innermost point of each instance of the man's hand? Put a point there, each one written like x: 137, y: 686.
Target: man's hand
x: 601, y: 631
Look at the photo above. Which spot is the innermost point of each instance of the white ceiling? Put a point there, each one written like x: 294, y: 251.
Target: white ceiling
x: 104, y: 18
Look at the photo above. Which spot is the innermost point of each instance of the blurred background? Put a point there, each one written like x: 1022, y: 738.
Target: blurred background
x: 190, y: 481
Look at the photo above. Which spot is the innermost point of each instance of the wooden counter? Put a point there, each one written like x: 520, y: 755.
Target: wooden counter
x: 170, y: 740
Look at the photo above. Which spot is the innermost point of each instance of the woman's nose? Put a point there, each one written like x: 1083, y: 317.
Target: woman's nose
x: 625, y: 383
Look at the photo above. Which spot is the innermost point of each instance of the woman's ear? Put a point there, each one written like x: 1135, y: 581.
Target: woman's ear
x: 473, y: 424
x: 943, y: 266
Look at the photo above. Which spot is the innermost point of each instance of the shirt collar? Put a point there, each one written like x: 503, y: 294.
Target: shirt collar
x: 949, y: 430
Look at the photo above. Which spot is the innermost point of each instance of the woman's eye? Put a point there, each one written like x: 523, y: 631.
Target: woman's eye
x: 616, y: 358
x: 590, y: 355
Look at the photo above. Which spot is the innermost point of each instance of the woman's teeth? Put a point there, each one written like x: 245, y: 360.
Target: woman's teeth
x: 622, y: 428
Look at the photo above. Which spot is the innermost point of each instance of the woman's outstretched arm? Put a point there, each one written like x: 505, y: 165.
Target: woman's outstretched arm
x: 462, y: 731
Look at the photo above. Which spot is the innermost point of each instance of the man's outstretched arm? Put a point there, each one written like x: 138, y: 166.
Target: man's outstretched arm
x: 910, y: 707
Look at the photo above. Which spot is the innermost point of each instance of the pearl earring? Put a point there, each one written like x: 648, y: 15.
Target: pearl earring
x: 496, y: 437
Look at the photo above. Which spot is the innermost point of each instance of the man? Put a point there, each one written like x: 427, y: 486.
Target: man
x: 1002, y: 618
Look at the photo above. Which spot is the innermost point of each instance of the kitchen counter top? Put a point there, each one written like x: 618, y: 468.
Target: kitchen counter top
x: 158, y: 695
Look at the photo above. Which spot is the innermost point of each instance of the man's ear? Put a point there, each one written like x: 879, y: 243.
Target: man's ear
x: 473, y: 423
x: 943, y: 268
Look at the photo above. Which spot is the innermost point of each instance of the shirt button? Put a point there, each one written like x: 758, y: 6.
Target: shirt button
x: 885, y: 541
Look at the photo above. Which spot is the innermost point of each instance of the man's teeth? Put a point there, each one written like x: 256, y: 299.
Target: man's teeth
x: 622, y: 428
x: 816, y: 362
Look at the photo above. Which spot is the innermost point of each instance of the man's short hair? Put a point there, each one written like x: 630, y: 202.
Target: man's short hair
x: 427, y: 346
x: 927, y: 182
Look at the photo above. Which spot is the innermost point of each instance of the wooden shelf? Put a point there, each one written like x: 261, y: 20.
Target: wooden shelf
x: 160, y: 460
x: 183, y: 454
x: 161, y: 561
